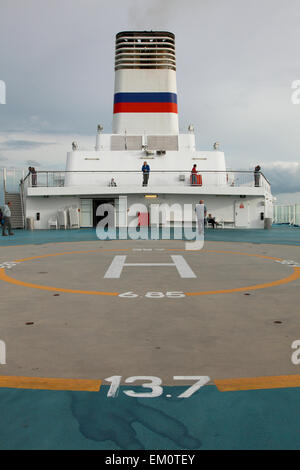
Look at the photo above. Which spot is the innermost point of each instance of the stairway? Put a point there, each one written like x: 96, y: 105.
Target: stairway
x: 17, y: 219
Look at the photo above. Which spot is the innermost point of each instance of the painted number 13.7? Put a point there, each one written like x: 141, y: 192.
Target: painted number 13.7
x: 154, y: 383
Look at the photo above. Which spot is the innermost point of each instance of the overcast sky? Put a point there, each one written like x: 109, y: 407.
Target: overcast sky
x: 236, y: 62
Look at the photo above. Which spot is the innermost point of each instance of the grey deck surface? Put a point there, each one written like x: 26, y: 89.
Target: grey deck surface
x: 80, y: 335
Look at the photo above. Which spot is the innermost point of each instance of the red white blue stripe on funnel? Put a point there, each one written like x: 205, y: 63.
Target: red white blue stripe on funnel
x: 158, y: 102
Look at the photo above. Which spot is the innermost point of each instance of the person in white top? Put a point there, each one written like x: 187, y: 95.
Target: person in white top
x: 7, y: 223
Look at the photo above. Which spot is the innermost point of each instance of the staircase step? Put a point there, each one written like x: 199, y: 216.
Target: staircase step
x: 17, y: 215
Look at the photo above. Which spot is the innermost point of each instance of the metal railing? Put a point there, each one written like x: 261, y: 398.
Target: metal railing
x: 10, y: 179
x: 156, y: 178
x: 286, y: 214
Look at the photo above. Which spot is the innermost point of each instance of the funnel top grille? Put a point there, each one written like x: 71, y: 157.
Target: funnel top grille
x: 145, y: 50
x: 146, y: 33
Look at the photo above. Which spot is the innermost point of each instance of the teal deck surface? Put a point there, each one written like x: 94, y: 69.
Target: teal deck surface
x: 258, y: 419
x: 280, y: 234
x: 210, y: 419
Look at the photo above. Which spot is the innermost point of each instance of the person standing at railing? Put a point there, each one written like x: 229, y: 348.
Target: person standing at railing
x: 34, y: 176
x: 257, y: 176
x: 29, y: 175
x: 7, y: 222
x: 194, y: 173
x: 146, y: 173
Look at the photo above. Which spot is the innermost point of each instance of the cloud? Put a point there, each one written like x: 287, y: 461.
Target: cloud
x: 156, y: 14
x: 283, y: 176
x: 22, y: 144
x: 234, y: 76
x: 48, y: 151
x: 288, y: 198
x: 33, y: 163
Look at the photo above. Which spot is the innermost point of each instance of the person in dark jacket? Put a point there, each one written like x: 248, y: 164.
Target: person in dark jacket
x: 34, y: 176
x: 257, y: 176
x: 212, y: 220
x: 146, y: 173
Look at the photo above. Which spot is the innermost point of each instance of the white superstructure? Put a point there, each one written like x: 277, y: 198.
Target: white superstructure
x: 145, y: 128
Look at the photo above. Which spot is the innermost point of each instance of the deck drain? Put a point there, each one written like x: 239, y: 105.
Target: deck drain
x: 278, y: 322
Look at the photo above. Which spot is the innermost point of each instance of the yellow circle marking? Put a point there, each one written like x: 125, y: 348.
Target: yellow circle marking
x: 6, y: 278
x: 294, y: 276
x: 11, y: 280
x: 286, y: 280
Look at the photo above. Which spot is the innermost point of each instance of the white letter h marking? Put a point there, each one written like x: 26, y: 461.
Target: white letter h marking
x: 118, y: 263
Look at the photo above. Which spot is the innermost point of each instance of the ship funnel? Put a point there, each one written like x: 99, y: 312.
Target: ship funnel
x: 145, y: 99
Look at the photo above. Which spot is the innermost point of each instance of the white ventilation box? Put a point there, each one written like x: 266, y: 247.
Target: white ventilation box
x: 129, y: 142
x: 162, y: 142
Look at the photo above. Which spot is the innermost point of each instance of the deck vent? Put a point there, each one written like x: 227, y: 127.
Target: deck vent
x: 162, y: 142
x: 129, y: 142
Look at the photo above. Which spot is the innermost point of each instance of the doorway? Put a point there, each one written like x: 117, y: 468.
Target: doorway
x: 96, y: 204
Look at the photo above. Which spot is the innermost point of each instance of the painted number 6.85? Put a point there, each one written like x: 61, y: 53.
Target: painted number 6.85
x: 154, y: 295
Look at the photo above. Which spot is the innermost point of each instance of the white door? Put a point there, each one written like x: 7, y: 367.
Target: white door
x: 242, y: 213
x: 86, y: 213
